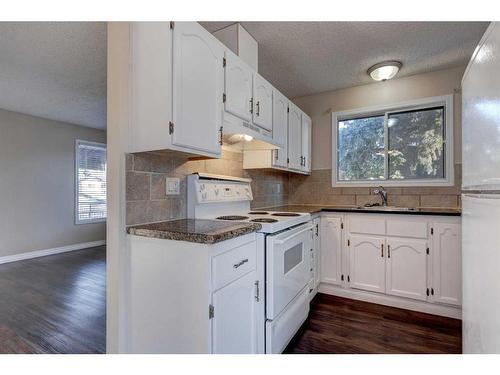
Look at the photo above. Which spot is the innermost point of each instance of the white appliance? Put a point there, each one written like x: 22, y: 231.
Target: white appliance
x: 285, y: 239
x: 481, y: 197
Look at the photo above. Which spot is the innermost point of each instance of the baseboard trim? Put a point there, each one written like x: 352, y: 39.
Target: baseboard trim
x: 55, y: 250
x: 393, y: 301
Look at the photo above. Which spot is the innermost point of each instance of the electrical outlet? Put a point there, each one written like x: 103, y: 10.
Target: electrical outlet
x: 172, y: 186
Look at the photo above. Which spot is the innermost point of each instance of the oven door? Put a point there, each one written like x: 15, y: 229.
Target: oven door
x: 287, y: 268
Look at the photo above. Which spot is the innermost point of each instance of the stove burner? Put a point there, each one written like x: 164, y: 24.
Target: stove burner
x: 264, y: 220
x: 232, y: 217
x: 258, y: 213
x: 285, y: 214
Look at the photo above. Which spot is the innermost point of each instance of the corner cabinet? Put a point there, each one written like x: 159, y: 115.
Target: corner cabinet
x: 402, y: 260
x: 176, y: 79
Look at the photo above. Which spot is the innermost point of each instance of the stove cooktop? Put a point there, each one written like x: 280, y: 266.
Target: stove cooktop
x: 272, y: 221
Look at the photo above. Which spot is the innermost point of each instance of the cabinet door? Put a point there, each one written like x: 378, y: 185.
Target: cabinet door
x: 306, y: 143
x: 446, y: 263
x: 367, y: 263
x: 238, y: 87
x: 406, y: 268
x: 331, y: 250
x: 294, y: 138
x: 317, y: 251
x: 197, y: 89
x: 280, y: 129
x: 151, y: 86
x: 263, y: 103
x: 234, y: 325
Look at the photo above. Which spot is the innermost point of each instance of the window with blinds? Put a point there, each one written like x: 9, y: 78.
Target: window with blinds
x: 90, y: 182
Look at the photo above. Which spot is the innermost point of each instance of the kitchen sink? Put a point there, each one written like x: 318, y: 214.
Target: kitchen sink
x: 385, y: 208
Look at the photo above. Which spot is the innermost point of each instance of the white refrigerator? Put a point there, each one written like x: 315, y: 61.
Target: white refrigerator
x: 481, y: 197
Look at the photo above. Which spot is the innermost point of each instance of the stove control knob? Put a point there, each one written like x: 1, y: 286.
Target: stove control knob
x: 204, y: 195
x: 202, y: 187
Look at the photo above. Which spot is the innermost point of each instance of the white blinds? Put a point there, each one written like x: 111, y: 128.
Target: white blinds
x: 90, y: 182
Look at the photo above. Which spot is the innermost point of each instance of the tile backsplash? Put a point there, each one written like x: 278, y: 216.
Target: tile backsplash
x: 147, y: 201
x: 145, y: 183
x: 317, y: 189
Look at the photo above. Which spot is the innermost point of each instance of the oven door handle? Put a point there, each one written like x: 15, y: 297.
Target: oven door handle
x: 292, y: 235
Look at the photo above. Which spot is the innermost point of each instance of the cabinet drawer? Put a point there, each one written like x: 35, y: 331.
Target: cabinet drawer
x: 233, y: 264
x: 372, y: 224
x: 407, y: 228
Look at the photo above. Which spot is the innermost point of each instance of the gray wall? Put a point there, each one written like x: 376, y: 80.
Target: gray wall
x: 37, y: 184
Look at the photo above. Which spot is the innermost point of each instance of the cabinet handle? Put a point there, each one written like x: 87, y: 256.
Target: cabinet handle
x: 432, y: 291
x: 388, y: 251
x: 257, y: 293
x: 317, y: 230
x: 276, y: 154
x: 304, y: 161
x: 240, y: 263
x: 251, y: 105
x: 221, y: 135
x: 382, y: 250
x: 258, y: 108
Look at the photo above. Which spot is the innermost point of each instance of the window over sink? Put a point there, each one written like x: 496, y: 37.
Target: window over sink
x: 407, y: 144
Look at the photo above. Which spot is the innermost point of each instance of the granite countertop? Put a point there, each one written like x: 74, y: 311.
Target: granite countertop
x: 311, y: 209
x: 194, y: 230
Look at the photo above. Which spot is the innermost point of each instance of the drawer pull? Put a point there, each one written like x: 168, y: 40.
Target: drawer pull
x: 382, y: 250
x: 240, y: 263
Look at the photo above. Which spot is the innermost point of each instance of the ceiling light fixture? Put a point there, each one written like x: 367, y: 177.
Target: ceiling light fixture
x: 384, y: 70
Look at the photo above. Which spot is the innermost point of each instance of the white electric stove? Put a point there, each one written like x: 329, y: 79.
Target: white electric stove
x: 284, y: 244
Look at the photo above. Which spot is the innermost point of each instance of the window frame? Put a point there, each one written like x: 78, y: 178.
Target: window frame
x: 79, y: 142
x: 445, y: 101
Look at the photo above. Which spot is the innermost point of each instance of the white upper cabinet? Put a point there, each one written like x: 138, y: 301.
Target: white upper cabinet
x: 306, y: 143
x: 280, y: 129
x: 294, y: 138
x: 331, y: 250
x: 197, y: 89
x: 367, y: 263
x: 406, y: 268
x: 238, y: 87
x: 446, y: 257
x: 151, y: 86
x: 262, y: 103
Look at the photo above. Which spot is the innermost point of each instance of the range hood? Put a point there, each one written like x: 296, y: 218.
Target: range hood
x: 242, y: 142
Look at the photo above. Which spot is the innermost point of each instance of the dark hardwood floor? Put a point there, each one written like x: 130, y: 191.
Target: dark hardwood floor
x: 340, y: 325
x: 54, y: 304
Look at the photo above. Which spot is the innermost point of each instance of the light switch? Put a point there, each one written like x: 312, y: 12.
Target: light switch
x: 172, y: 186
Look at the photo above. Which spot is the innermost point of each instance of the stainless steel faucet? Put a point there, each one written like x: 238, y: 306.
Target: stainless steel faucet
x: 383, y: 194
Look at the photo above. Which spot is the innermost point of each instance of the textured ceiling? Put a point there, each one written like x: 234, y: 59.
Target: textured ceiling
x: 55, y: 70
x: 302, y: 58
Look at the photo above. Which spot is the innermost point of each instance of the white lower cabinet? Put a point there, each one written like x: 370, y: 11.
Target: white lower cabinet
x: 235, y: 324
x: 397, y: 257
x: 188, y: 298
x: 406, y: 268
x: 446, y: 286
x: 366, y: 263
x: 331, y: 249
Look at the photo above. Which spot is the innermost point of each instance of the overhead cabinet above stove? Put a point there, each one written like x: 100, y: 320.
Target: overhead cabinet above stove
x: 188, y: 92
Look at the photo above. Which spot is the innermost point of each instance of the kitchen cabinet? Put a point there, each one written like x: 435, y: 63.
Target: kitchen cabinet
x: 446, y: 285
x: 406, y: 268
x: 187, y: 297
x: 197, y: 89
x: 409, y: 261
x: 235, y: 322
x: 238, y: 82
x: 306, y: 143
x: 366, y: 263
x: 294, y: 138
x: 176, y: 87
x: 280, y: 129
x: 263, y: 103
x: 331, y: 250
x: 315, y: 258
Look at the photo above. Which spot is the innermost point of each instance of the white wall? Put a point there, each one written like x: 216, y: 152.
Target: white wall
x: 37, y: 184
x: 320, y: 106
